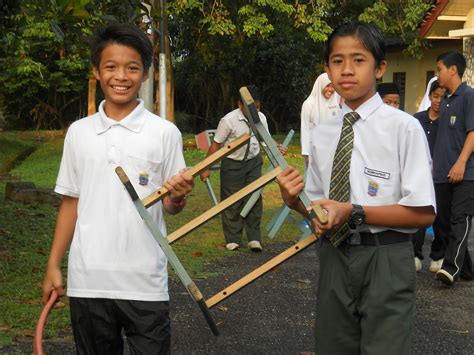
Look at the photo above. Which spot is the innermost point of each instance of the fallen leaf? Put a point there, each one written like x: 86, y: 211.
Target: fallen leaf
x: 305, y: 281
x: 29, y: 334
x: 222, y: 308
x: 4, y: 328
x: 456, y: 331
x: 202, y: 277
x: 59, y: 304
x: 276, y: 269
x: 36, y: 269
x: 197, y: 254
x: 220, y: 247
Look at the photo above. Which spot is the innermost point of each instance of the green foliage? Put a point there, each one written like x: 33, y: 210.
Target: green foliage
x: 399, y: 19
x: 44, y: 43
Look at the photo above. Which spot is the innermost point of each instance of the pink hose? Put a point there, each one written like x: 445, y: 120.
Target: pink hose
x: 38, y: 340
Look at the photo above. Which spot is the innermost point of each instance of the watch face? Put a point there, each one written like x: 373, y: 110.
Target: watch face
x: 357, y: 219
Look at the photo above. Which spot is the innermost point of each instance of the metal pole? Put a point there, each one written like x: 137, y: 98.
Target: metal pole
x: 162, y: 62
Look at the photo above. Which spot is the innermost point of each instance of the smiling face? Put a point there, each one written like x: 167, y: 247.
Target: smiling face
x: 121, y: 74
x: 352, y: 70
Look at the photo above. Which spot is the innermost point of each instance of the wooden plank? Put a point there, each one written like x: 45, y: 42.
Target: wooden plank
x: 199, y: 168
x: 261, y: 270
x: 189, y: 227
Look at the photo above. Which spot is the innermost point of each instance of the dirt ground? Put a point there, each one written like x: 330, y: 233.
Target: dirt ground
x: 275, y: 314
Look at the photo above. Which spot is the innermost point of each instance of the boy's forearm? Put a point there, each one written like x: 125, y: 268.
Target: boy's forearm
x: 399, y: 216
x: 64, y: 231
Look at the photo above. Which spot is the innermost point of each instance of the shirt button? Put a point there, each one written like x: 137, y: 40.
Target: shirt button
x: 447, y: 105
x: 428, y: 132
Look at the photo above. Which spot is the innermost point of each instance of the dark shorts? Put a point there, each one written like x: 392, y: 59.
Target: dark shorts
x: 97, y: 325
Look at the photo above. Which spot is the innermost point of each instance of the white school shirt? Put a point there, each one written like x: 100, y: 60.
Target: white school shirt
x: 113, y: 254
x: 232, y: 126
x: 390, y: 162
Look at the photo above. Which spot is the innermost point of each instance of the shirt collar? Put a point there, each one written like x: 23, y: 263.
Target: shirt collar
x: 242, y: 116
x: 367, y: 108
x: 460, y: 89
x: 133, y: 121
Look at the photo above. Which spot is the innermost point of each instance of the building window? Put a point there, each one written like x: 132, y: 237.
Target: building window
x: 429, y: 75
x: 400, y: 79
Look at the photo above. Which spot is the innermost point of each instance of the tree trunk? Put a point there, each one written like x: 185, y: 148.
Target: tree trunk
x: 91, y: 106
x: 169, y: 82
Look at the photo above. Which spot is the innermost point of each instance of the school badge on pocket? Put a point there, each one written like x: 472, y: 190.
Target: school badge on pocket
x: 373, y: 188
x: 452, y: 120
x: 143, y: 179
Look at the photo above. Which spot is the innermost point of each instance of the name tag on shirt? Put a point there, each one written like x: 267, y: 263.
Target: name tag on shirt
x: 377, y: 173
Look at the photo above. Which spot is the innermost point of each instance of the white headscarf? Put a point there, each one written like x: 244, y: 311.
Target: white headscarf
x: 425, y: 101
x: 316, y: 109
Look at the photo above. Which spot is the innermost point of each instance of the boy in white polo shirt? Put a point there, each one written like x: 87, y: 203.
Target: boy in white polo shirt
x: 370, y: 170
x: 117, y: 273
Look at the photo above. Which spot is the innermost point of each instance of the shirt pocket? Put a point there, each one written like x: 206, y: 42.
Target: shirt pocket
x: 144, y: 173
x: 380, y: 183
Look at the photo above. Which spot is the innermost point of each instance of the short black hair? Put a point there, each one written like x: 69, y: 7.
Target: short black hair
x: 455, y: 58
x: 253, y: 90
x: 368, y: 34
x: 434, y: 85
x: 121, y: 33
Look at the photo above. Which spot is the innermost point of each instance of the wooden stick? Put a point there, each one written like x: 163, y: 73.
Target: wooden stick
x: 215, y: 210
x: 159, y: 194
x: 261, y: 270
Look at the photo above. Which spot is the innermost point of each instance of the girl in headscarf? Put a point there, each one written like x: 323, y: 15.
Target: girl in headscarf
x: 425, y: 101
x: 321, y: 104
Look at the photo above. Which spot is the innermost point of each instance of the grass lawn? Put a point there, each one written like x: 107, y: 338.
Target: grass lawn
x: 26, y: 231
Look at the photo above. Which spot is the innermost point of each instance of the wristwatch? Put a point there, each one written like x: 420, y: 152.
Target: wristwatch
x: 357, y: 216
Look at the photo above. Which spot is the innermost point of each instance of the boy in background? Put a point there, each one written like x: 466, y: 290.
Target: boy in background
x: 117, y: 273
x: 453, y: 168
x: 237, y: 171
x: 370, y: 170
x: 429, y: 121
x: 390, y: 94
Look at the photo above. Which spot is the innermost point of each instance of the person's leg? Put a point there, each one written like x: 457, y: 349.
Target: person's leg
x: 441, y: 226
x: 337, y: 322
x: 418, y: 241
x: 96, y: 326
x: 232, y: 180
x: 387, y: 303
x: 253, y: 170
x: 460, y: 227
x: 147, y: 326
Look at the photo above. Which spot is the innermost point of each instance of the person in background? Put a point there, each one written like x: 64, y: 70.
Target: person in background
x: 425, y: 101
x: 323, y: 103
x: 239, y: 169
x: 429, y: 121
x: 390, y: 94
x: 453, y: 168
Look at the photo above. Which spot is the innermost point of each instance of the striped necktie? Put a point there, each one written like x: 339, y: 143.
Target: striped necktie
x: 339, y: 189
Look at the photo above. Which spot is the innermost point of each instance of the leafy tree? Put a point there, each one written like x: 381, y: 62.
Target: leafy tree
x: 45, y: 65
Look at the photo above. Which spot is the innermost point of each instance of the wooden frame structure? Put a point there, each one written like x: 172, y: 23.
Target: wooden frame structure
x: 279, y: 164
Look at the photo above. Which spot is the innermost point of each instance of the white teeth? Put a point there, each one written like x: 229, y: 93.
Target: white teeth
x: 120, y: 88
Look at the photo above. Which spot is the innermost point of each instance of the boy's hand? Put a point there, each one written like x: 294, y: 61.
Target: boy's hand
x: 456, y: 174
x: 337, y: 213
x: 291, y: 184
x: 283, y: 150
x: 179, y: 185
x: 53, y: 280
x: 205, y: 175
